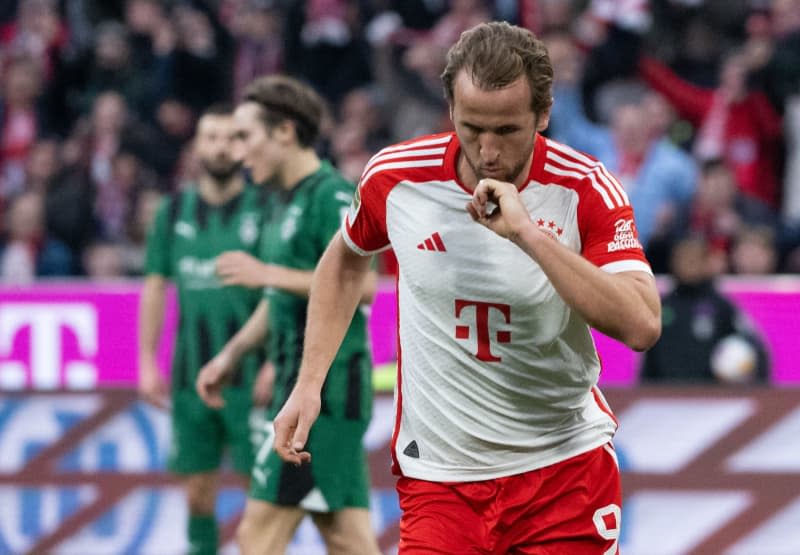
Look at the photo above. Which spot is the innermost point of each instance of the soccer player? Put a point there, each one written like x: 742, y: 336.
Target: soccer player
x: 510, y: 246
x: 278, y: 123
x: 189, y: 231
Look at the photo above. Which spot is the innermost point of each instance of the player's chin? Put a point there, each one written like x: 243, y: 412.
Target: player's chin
x: 498, y: 174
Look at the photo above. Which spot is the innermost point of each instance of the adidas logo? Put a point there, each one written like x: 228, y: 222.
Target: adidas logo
x: 433, y: 243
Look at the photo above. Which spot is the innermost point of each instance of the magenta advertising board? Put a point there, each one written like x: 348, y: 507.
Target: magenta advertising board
x: 81, y: 335
x: 76, y: 335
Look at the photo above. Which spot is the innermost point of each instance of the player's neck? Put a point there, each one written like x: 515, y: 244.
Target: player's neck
x: 298, y: 166
x: 216, y: 192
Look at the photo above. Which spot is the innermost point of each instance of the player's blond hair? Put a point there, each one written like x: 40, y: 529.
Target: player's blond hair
x: 281, y: 98
x: 495, y: 55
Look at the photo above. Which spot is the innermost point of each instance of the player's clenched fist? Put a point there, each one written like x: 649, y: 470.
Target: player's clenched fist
x: 497, y: 205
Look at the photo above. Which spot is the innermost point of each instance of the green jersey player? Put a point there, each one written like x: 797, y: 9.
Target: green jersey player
x: 189, y: 231
x: 278, y: 123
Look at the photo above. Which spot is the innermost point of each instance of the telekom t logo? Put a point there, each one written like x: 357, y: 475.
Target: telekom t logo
x: 482, y: 327
x: 45, y: 321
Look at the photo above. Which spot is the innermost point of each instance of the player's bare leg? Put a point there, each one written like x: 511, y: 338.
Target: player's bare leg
x: 267, y: 529
x: 347, y: 531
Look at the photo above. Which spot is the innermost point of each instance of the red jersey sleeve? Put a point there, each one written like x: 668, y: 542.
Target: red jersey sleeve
x: 364, y: 228
x: 609, y: 237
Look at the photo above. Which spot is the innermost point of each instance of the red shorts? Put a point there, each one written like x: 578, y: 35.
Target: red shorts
x: 569, y: 508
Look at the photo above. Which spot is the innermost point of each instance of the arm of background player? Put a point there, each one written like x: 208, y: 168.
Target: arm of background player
x: 625, y: 305
x: 152, y: 385
x: 335, y: 293
x: 216, y: 371
x: 240, y: 268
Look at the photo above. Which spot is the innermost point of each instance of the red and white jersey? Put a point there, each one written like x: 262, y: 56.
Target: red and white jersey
x: 496, y: 374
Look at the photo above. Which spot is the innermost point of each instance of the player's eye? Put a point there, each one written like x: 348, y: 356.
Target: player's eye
x: 507, y: 130
x: 471, y: 129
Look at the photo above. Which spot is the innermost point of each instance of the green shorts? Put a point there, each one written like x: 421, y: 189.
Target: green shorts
x: 336, y: 478
x: 200, y: 434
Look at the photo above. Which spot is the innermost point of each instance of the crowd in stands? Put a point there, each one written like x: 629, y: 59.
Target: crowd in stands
x: 693, y: 104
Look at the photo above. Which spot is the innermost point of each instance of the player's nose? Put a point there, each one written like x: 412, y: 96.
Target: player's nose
x: 489, y: 150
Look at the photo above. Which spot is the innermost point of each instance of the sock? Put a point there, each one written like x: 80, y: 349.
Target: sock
x: 203, y: 535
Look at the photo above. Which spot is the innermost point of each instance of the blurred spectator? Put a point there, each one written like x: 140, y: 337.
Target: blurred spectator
x: 20, y: 122
x: 202, y: 57
x: 365, y: 107
x: 657, y: 176
x: 720, y: 211
x: 754, y: 251
x: 150, y: 33
x: 111, y: 66
x: 258, y: 30
x: 174, y: 125
x: 704, y: 338
x: 103, y: 261
x: 27, y: 252
x: 116, y: 198
x: 732, y: 122
x: 110, y: 129
x: 42, y: 165
x: 37, y: 34
x: 779, y: 66
x: 359, y: 133
x: 133, y: 249
x: 69, y: 199
x: 544, y: 16
x: 325, y: 34
x: 349, y: 150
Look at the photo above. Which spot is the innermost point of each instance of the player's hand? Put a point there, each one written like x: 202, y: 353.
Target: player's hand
x: 240, y: 268
x: 212, y: 379
x: 262, y: 388
x: 293, y: 423
x: 152, y: 385
x: 508, y: 215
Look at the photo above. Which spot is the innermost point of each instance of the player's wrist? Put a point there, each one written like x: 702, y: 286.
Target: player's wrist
x: 310, y: 382
x: 523, y: 232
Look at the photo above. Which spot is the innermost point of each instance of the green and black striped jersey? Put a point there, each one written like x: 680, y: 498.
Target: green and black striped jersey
x: 182, y: 245
x: 306, y: 219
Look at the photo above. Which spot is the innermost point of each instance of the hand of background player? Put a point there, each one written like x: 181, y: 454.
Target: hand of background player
x: 293, y: 423
x: 212, y: 378
x: 240, y: 268
x: 262, y: 388
x: 152, y: 385
x: 509, y: 215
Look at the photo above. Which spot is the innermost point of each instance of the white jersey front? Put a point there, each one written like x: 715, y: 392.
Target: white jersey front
x: 496, y: 374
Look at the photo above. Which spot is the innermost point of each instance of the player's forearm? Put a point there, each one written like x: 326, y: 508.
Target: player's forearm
x: 625, y: 306
x: 336, y: 291
x: 251, y: 335
x: 151, y: 317
x: 297, y: 282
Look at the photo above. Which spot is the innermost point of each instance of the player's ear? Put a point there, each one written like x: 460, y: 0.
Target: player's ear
x: 543, y: 120
x: 286, y: 131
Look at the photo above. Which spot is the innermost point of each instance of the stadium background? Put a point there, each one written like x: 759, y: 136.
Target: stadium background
x: 97, y: 102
